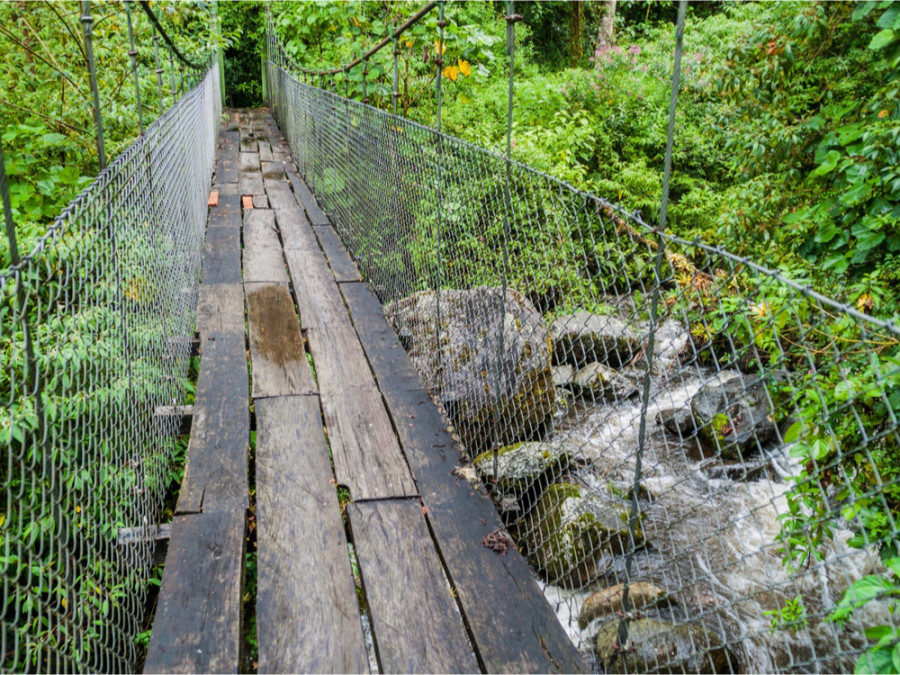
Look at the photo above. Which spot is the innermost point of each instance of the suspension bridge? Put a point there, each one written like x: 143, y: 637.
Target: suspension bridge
x: 450, y: 413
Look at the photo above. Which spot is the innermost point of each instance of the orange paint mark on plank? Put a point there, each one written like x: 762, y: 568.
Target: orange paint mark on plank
x: 247, y: 201
x: 213, y: 198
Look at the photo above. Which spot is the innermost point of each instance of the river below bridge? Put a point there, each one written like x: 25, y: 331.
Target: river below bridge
x: 711, y: 541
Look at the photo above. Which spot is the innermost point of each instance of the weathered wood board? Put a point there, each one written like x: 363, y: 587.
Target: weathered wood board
x: 265, y: 151
x: 227, y: 162
x: 273, y: 171
x: 367, y: 457
x: 316, y: 215
x: 307, y: 614
x: 414, y: 617
x: 280, y: 366
x: 228, y: 213
x: 222, y: 256
x: 251, y: 183
x: 215, y: 476
x: 220, y: 308
x: 249, y: 162
x: 263, y: 260
x: 248, y: 145
x: 197, y: 628
x: 342, y: 265
x: 514, y: 627
x: 292, y: 223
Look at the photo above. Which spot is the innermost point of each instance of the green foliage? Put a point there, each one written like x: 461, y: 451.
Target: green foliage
x: 791, y: 616
x: 244, y: 29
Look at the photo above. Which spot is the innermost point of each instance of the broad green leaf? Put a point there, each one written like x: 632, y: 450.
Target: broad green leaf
x: 882, y: 39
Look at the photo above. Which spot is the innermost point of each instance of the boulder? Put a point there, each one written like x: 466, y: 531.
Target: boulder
x: 522, y: 465
x: 596, y: 381
x: 562, y: 375
x: 493, y: 394
x: 641, y: 595
x: 662, y: 647
x: 678, y: 421
x: 570, y: 529
x: 563, y: 403
x: 733, y: 412
x: 671, y: 339
x: 583, y: 338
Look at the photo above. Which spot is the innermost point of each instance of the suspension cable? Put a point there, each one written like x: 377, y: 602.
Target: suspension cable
x: 622, y: 633
x: 145, y: 5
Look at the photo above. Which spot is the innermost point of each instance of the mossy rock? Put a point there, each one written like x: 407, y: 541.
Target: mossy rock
x: 662, y: 647
x: 641, y: 595
x: 596, y: 381
x: 492, y: 364
x: 570, y: 529
x: 583, y: 337
x: 522, y: 465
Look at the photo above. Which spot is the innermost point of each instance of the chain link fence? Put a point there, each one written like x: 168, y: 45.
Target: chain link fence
x: 95, y: 333
x: 698, y: 456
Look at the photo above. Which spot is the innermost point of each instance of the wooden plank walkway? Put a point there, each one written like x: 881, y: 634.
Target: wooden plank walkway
x: 396, y: 580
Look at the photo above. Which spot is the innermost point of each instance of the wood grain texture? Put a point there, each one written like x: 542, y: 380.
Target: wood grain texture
x: 265, y: 151
x: 280, y: 366
x: 307, y: 615
x: 342, y: 265
x: 272, y: 170
x: 227, y: 161
x: 263, y: 260
x: 228, y: 213
x: 367, y: 457
x: 197, y: 628
x: 340, y: 361
x: 248, y: 145
x: 252, y: 184
x: 220, y: 308
x: 316, y: 215
x: 249, y: 162
x: 292, y: 223
x: 514, y: 627
x: 222, y: 256
x: 414, y: 617
x: 215, y: 476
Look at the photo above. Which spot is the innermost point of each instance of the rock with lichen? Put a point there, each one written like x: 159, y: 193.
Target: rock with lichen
x: 596, y: 381
x: 491, y: 365
x: 662, y: 647
x: 583, y: 337
x: 734, y: 413
x: 570, y: 529
x: 522, y: 466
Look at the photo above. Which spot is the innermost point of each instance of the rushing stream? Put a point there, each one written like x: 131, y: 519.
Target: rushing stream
x: 711, y: 540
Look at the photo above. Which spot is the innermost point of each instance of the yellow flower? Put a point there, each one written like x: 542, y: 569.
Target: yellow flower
x: 464, y: 67
x: 409, y: 43
x: 450, y: 72
x: 439, y: 48
x: 883, y: 114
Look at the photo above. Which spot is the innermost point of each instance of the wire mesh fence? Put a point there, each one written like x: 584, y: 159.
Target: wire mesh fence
x: 697, y: 455
x: 95, y: 331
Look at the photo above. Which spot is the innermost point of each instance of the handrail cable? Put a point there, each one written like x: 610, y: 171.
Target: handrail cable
x: 145, y: 5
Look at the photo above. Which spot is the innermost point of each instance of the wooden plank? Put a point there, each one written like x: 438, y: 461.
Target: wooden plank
x: 265, y: 151
x: 316, y: 215
x: 220, y: 308
x: 222, y: 256
x: 295, y: 231
x: 197, y: 628
x: 226, y: 188
x: 227, y: 161
x: 382, y: 347
x: 227, y: 213
x: 414, y: 618
x: 280, y: 366
x: 252, y: 184
x: 339, y: 358
x: 307, y: 615
x: 273, y: 171
x: 248, y: 145
x: 260, y: 202
x: 249, y: 162
x: 514, y: 627
x: 367, y: 457
x: 215, y: 475
x: 263, y: 260
x: 342, y: 265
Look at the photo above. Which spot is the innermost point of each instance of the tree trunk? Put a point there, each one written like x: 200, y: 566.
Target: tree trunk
x: 605, y: 37
x: 576, y: 51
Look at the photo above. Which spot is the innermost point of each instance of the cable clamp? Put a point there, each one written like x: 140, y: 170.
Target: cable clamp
x: 514, y: 18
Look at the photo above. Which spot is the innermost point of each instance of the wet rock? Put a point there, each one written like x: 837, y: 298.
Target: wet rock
x: 739, y: 471
x: 596, y: 381
x: 491, y: 394
x: 522, y: 465
x: 583, y: 338
x: 669, y: 343
x: 562, y: 375
x: 663, y: 647
x: 641, y: 595
x: 733, y: 413
x: 564, y: 401
x: 679, y: 421
x: 570, y: 529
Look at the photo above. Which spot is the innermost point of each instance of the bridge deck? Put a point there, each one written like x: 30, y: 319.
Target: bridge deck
x: 396, y: 579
